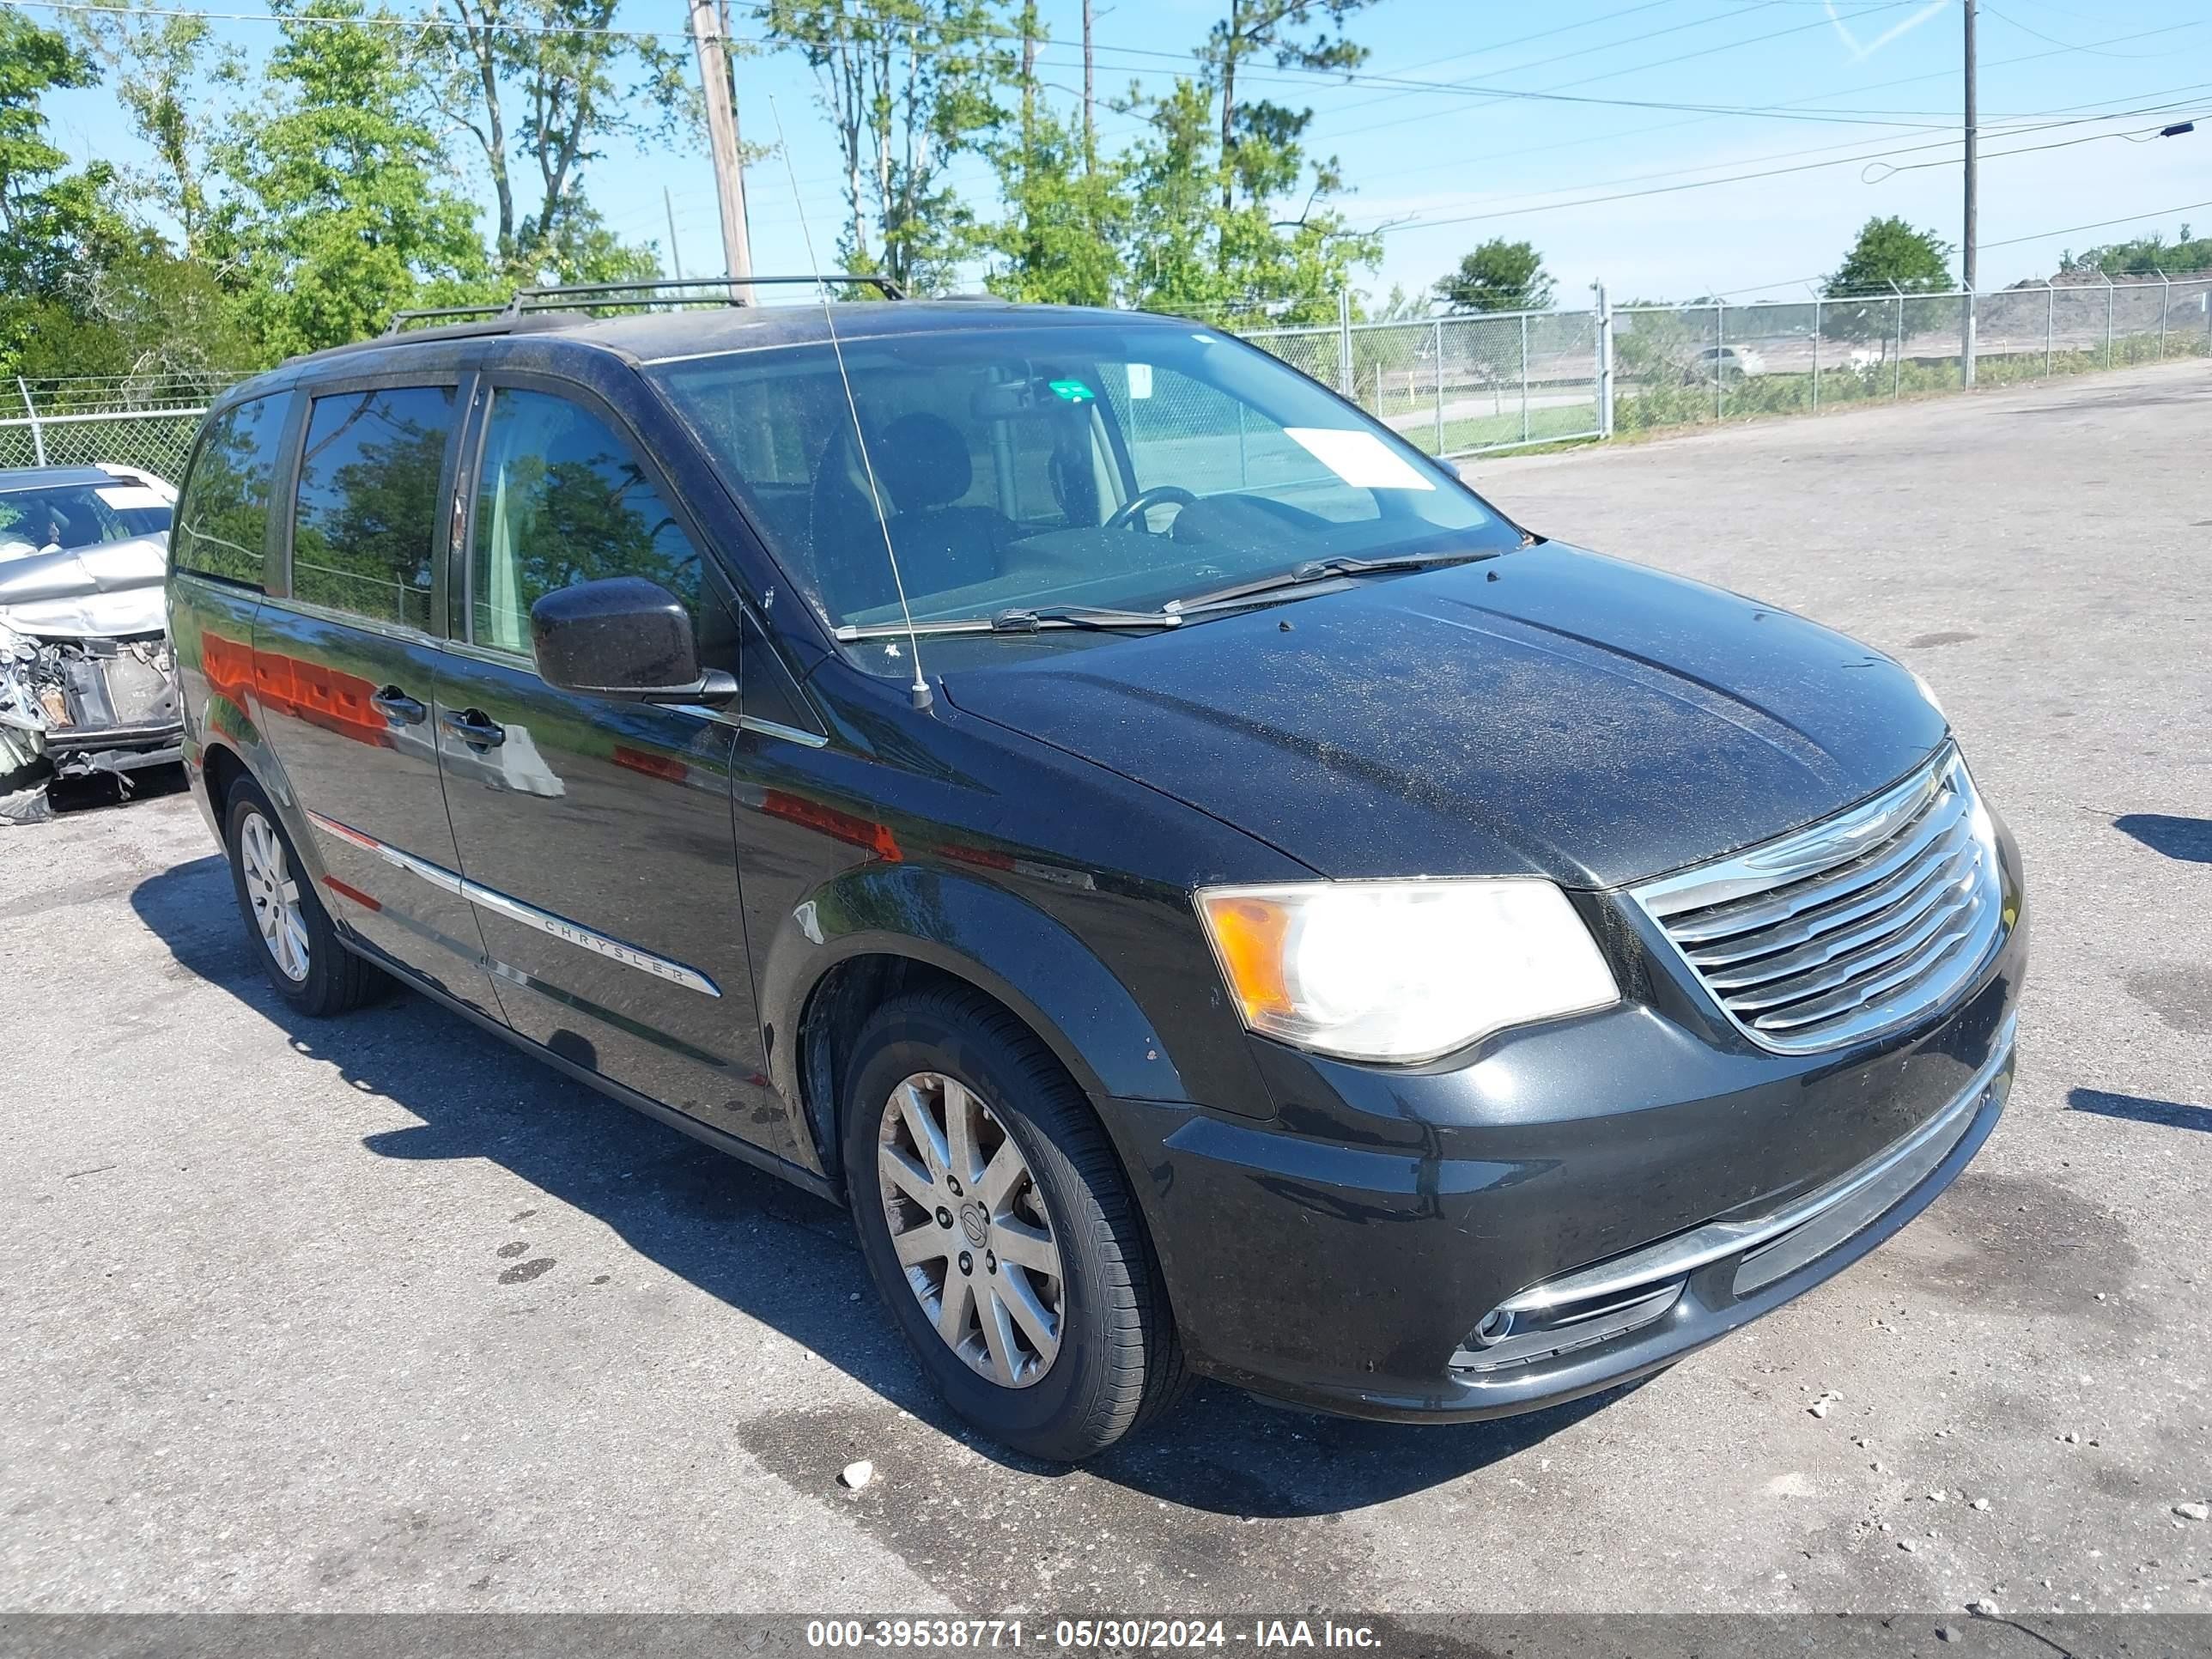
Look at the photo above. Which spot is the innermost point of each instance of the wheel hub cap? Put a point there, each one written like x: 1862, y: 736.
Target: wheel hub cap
x: 274, y: 893
x: 970, y: 1230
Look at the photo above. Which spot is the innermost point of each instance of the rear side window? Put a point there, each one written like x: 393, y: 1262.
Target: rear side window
x: 368, y: 508
x: 222, y: 521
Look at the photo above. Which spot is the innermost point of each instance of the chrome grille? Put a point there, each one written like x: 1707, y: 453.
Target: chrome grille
x: 1854, y: 926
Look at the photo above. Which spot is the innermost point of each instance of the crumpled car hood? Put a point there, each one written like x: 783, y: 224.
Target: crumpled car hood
x: 1551, y: 712
x: 110, y: 590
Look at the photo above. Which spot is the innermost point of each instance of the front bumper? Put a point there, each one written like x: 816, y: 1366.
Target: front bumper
x: 1609, y: 1192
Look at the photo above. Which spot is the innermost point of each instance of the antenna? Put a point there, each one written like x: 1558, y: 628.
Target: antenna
x: 918, y: 692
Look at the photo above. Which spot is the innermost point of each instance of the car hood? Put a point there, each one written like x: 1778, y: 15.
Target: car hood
x: 111, y: 590
x: 1551, y: 712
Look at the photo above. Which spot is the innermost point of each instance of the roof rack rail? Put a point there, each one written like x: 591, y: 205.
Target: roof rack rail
x: 566, y: 296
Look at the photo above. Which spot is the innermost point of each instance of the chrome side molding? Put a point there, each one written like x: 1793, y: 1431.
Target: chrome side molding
x: 505, y: 905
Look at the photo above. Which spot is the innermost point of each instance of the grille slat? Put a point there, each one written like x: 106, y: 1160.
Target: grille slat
x: 1866, y: 922
x: 1755, y: 967
x: 1900, y: 852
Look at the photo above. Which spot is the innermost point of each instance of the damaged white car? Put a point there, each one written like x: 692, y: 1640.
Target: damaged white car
x: 86, y: 684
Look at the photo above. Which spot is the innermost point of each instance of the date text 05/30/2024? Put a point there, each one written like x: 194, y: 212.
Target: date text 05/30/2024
x: 1079, y: 1635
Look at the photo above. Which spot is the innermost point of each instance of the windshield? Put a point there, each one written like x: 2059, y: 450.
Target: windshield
x: 78, y: 515
x: 1029, y: 467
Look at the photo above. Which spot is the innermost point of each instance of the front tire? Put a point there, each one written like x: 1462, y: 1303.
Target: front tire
x: 999, y: 1229
x: 292, y: 935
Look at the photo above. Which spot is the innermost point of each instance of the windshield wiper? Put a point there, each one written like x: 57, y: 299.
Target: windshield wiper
x: 1321, y: 570
x: 1027, y: 619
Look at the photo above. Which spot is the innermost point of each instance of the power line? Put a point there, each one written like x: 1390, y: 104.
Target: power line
x: 2101, y: 224
x: 1668, y: 190
x: 1582, y: 51
x: 1860, y: 143
x: 1501, y: 94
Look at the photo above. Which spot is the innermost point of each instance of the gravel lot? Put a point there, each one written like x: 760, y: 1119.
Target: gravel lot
x: 379, y: 1315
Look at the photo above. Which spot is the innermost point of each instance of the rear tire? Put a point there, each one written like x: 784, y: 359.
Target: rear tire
x: 1085, y: 1348
x: 292, y: 935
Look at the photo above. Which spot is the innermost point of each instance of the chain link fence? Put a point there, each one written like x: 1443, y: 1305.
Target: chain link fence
x: 1474, y: 385
x: 141, y: 420
x: 1465, y: 386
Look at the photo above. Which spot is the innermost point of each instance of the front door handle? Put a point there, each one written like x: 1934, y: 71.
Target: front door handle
x: 474, y: 727
x: 398, y: 708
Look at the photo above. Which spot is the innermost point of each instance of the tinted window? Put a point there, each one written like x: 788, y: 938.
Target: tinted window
x: 562, y: 500
x: 222, y: 521
x: 368, y: 502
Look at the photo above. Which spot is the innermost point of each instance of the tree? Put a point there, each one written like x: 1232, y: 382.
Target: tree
x: 55, y: 225
x: 573, y: 85
x: 907, y: 85
x: 1890, y: 256
x: 1058, y: 242
x: 162, y: 65
x: 1498, y: 275
x: 2145, y: 255
x: 1254, y: 28
x: 341, y: 204
x: 1889, y: 259
x: 1184, y: 252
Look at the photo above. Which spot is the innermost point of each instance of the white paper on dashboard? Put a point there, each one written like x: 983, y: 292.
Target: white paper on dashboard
x: 1140, y: 380
x: 129, y: 495
x: 1360, y: 458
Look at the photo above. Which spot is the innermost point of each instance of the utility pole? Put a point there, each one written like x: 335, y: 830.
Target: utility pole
x: 1966, y: 328
x: 722, y: 137
x: 675, y: 258
x: 1090, y: 133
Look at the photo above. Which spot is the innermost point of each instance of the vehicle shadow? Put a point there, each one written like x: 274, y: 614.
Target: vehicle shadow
x: 757, y: 1244
x: 2188, y: 840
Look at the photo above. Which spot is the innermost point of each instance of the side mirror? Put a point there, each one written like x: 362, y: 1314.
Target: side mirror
x: 624, y: 637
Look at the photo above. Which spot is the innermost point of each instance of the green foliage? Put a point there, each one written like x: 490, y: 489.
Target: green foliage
x: 541, y: 88
x: 163, y: 67
x: 1891, y: 255
x: 2145, y: 255
x: 908, y: 85
x: 1497, y: 275
x: 344, y: 208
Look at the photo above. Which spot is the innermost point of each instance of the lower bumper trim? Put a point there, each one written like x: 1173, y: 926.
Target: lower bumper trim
x: 1611, y: 1299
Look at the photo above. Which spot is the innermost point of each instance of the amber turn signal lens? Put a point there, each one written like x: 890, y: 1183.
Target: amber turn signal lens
x: 1248, y: 934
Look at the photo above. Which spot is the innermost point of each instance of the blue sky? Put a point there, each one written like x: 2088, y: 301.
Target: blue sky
x: 1852, y: 81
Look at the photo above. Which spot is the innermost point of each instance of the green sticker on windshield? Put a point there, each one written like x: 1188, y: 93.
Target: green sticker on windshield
x: 1073, y: 391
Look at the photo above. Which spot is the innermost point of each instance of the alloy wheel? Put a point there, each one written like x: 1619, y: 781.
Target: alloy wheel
x: 970, y: 1230
x: 275, y: 895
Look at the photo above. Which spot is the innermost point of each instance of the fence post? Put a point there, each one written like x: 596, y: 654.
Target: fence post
x: 2049, y: 324
x: 1344, y: 383
x: 2108, y: 275
x: 2165, y: 300
x: 1816, y: 354
x: 1604, y: 363
x: 1439, y: 367
x: 1720, y: 363
x: 1897, y: 360
x: 38, y: 438
x: 1524, y: 377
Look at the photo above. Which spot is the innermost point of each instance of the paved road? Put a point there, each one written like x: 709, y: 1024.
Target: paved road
x: 377, y: 1315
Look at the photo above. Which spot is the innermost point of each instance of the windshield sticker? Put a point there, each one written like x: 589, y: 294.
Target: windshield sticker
x: 124, y: 497
x: 1072, y: 391
x: 1140, y: 382
x: 1360, y: 458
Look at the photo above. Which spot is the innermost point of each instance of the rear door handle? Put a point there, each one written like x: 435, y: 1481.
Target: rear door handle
x: 398, y: 708
x: 474, y: 727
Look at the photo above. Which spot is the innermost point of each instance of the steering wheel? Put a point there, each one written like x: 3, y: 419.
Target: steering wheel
x: 1131, y: 513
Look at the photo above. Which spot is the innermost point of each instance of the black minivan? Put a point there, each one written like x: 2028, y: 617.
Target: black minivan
x: 1210, y: 893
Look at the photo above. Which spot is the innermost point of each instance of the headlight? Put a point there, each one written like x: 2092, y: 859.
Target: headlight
x: 1402, y: 970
